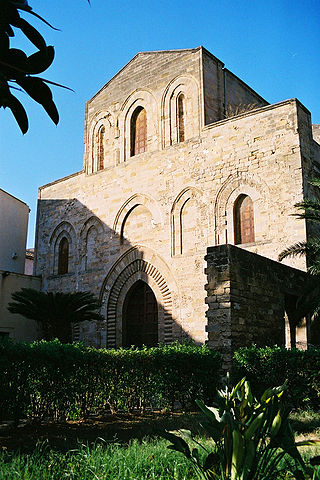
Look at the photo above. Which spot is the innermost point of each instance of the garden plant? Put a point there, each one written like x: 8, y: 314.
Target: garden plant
x: 251, y: 438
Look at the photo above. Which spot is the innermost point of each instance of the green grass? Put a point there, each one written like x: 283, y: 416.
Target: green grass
x: 146, y: 460
x: 306, y: 422
x: 149, y: 459
x: 136, y: 460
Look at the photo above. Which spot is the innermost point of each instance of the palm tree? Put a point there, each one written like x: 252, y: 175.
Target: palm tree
x: 309, y: 300
x: 55, y: 312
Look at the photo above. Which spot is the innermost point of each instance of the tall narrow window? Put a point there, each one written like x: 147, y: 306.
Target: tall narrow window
x: 63, y: 258
x: 180, y: 119
x: 243, y: 220
x: 138, y: 131
x: 100, y: 165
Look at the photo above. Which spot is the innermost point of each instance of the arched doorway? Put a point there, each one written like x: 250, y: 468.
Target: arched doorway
x: 140, y: 317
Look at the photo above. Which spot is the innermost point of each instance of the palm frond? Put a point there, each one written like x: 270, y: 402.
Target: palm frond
x: 308, y: 203
x: 295, y: 250
x: 315, y: 182
x: 311, y: 248
x: 55, y: 311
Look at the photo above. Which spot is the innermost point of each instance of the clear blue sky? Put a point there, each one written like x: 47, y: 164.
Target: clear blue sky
x: 274, y: 46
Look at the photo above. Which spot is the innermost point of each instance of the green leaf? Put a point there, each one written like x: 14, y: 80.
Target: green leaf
x: 238, y: 450
x: 307, y: 443
x: 41, y: 93
x: 31, y: 33
x: 178, y: 443
x: 210, y: 414
x: 40, y: 61
x: 18, y: 112
x: 254, y: 426
x: 16, y: 61
x: 276, y: 424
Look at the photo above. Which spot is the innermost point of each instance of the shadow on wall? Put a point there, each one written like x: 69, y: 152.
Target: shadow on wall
x: 76, y: 251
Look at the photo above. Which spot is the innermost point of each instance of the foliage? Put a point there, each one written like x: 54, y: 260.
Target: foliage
x: 55, y: 312
x: 275, y: 365
x: 251, y: 437
x: 51, y: 380
x: 17, y: 69
x: 309, y: 300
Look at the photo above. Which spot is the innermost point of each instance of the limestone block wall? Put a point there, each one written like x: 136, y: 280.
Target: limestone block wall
x: 248, y: 298
x: 159, y: 210
x: 160, y: 77
x: 316, y: 132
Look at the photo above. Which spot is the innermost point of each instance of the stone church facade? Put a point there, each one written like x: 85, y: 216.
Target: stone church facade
x: 180, y: 155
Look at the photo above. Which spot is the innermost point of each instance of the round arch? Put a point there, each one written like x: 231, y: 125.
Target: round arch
x: 185, y: 195
x: 99, y: 120
x: 137, y: 199
x: 139, y: 263
x: 64, y: 229
x: 146, y: 100
x: 236, y: 185
x: 188, y: 87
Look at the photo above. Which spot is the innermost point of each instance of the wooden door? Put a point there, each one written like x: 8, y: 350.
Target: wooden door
x: 140, y: 319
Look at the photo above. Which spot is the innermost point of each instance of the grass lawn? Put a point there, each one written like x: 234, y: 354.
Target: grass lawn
x: 110, y: 448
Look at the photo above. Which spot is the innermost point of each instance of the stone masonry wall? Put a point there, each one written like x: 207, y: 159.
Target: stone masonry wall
x: 256, y: 154
x: 151, y: 216
x: 248, y: 297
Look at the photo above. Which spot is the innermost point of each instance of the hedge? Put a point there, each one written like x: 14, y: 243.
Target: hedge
x: 272, y: 366
x: 51, y: 380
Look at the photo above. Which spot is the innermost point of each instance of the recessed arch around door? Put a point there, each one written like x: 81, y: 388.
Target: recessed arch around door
x: 138, y: 264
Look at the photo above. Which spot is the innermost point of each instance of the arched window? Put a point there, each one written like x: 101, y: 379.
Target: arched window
x: 63, y: 256
x: 138, y: 130
x: 100, y: 164
x: 180, y: 118
x: 243, y: 220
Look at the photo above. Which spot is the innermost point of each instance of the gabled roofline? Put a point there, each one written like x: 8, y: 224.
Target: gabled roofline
x: 147, y: 53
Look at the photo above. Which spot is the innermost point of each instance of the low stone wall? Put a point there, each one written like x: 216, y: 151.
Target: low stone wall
x: 250, y: 299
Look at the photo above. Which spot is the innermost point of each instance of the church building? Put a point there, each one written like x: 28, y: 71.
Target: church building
x: 180, y: 155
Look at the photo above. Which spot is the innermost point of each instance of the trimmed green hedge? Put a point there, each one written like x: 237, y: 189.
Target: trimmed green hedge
x: 272, y: 366
x: 52, y: 380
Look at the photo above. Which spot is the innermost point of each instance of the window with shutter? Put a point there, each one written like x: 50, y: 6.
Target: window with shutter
x: 243, y: 220
x: 180, y: 119
x: 100, y: 164
x: 138, y: 131
x: 63, y: 260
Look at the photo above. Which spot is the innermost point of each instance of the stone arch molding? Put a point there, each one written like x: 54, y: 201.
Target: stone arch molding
x: 64, y: 229
x: 101, y: 119
x: 92, y: 223
x: 184, y: 196
x: 139, y: 263
x: 137, y: 199
x: 235, y: 185
x: 189, y: 87
x: 146, y: 100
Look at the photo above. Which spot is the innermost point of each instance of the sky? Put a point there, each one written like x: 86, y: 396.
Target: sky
x: 273, y: 46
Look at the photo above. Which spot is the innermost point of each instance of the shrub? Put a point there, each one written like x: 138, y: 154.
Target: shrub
x: 51, y: 380
x: 251, y: 437
x: 275, y: 365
